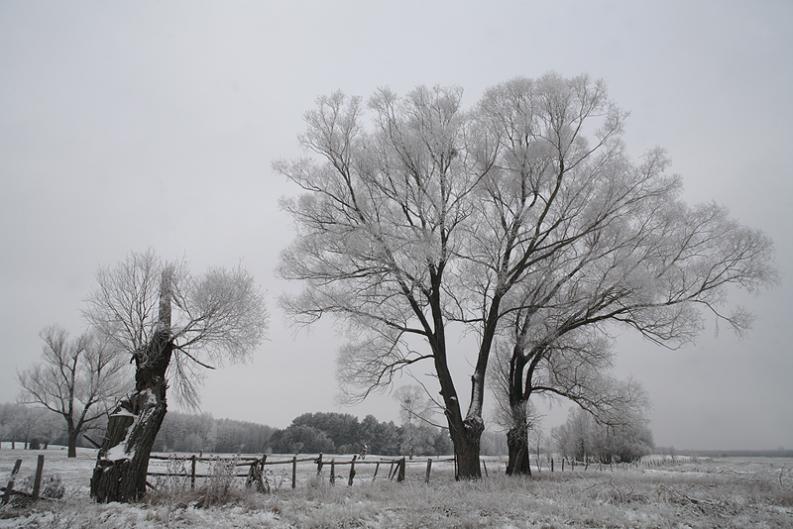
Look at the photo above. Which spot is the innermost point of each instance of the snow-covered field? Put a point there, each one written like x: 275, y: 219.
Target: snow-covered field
x: 723, y: 492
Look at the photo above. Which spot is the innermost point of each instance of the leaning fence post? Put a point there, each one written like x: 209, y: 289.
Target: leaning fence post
x: 401, y: 470
x: 319, y: 464
x: 391, y: 471
x: 376, y: 468
x: 192, y: 472
x: 333, y: 471
x: 429, y: 468
x: 484, y: 465
x: 294, y: 470
x: 352, y: 471
x: 37, y: 478
x: 10, y: 486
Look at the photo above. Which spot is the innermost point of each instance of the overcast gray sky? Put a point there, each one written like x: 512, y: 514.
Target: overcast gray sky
x: 134, y: 125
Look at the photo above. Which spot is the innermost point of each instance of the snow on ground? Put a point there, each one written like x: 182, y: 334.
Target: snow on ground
x: 719, y: 492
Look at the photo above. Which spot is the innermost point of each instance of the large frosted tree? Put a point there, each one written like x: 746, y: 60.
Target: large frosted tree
x: 425, y: 215
x: 172, y: 325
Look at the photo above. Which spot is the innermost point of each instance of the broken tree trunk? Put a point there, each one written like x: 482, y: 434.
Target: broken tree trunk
x: 123, y: 460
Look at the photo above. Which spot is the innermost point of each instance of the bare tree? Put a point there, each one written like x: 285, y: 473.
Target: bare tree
x: 415, y: 409
x: 574, y: 369
x: 439, y: 216
x: 653, y: 274
x: 172, y: 325
x: 583, y: 438
x: 77, y: 378
x: 597, y: 240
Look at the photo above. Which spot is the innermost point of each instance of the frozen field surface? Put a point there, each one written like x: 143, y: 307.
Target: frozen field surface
x: 706, y: 493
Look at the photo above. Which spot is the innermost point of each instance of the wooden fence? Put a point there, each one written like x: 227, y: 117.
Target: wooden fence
x: 8, y: 490
x: 256, y: 466
x: 396, y: 467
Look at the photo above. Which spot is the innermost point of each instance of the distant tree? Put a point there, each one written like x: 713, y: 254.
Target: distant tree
x: 582, y: 438
x: 342, y: 428
x: 21, y: 423
x: 301, y: 438
x: 416, y: 410
x: 78, y: 379
x: 387, y: 440
x: 164, y: 318
x: 442, y: 443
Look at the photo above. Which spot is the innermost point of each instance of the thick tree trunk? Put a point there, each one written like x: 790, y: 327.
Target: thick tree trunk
x: 518, y: 447
x: 466, y: 449
x: 518, y: 440
x: 123, y: 460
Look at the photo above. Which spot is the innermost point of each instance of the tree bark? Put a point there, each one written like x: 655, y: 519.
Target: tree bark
x: 466, y: 443
x: 518, y: 441
x: 123, y: 460
x: 518, y: 446
x: 71, y: 440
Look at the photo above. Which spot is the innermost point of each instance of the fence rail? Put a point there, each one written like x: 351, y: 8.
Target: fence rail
x: 396, y: 466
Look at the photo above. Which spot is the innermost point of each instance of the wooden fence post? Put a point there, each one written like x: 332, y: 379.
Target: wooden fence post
x: 352, y: 471
x: 484, y: 465
x: 401, y: 470
x: 333, y: 471
x: 391, y: 471
x: 376, y: 468
x: 294, y: 470
x: 37, y: 478
x: 429, y: 468
x: 562, y: 464
x: 10, y: 486
x: 551, y: 464
x: 319, y: 464
x: 192, y: 472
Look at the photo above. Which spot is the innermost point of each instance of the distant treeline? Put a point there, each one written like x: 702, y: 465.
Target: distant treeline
x: 779, y: 452
x: 327, y: 432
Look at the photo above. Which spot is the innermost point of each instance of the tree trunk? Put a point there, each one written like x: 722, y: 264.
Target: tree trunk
x: 71, y: 436
x: 123, y: 460
x: 466, y: 449
x: 518, y: 446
